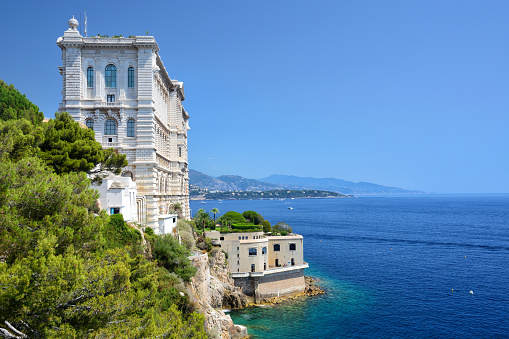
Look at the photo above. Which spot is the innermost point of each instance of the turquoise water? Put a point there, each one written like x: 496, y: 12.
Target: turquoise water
x: 389, y: 267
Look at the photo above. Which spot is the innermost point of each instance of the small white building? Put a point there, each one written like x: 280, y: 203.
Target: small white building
x: 167, y: 223
x: 118, y: 195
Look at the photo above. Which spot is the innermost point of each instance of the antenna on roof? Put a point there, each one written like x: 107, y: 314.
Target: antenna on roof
x: 85, y: 24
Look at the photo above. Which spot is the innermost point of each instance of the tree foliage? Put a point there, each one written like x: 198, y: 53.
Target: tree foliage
x: 68, y: 147
x: 281, y: 228
x: 66, y: 271
x: 14, y: 105
x: 266, y: 226
x: 253, y: 216
x: 173, y: 256
x: 231, y: 217
x: 19, y: 138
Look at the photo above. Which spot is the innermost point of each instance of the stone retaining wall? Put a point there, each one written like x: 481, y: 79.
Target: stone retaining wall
x: 272, y: 285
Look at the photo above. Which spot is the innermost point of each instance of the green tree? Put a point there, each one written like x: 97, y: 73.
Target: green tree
x: 281, y: 228
x: 231, y: 217
x: 214, y: 211
x: 14, y: 105
x: 36, y: 203
x: 266, y: 226
x: 253, y: 216
x: 68, y: 147
x: 19, y: 138
x: 203, y: 218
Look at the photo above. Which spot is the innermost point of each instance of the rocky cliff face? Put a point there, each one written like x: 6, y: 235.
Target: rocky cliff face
x: 229, y: 295
x: 208, y: 292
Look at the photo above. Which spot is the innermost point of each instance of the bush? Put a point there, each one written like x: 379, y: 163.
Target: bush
x: 173, y: 256
x: 281, y: 227
x: 187, y: 239
x: 117, y: 234
x: 266, y: 226
x: 184, y: 226
x: 253, y: 216
x: 245, y: 227
x: 231, y: 217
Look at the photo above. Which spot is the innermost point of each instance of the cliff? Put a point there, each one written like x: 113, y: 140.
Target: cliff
x: 211, y: 289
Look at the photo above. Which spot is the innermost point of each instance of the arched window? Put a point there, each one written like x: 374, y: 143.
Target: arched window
x: 90, y: 124
x: 277, y: 247
x: 293, y: 247
x: 110, y: 127
x: 130, y: 127
x: 90, y: 77
x: 130, y: 77
x: 264, y: 250
x: 111, y: 76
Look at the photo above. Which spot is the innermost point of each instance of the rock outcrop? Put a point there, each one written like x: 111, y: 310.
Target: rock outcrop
x: 232, y: 297
x: 207, y: 292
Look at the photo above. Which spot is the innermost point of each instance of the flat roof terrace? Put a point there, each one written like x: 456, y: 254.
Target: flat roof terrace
x: 270, y: 271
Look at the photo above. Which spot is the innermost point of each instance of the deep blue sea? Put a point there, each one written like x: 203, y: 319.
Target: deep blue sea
x: 392, y: 267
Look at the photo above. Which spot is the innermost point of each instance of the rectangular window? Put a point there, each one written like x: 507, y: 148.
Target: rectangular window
x: 221, y: 238
x: 264, y: 250
x: 90, y: 77
x: 277, y: 247
x: 252, y: 251
x: 115, y: 210
x: 111, y: 97
x: 130, y: 77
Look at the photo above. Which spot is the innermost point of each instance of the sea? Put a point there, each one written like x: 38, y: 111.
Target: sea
x: 422, y: 266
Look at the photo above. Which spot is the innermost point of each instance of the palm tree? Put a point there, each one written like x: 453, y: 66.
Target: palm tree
x: 214, y: 211
x: 201, y: 215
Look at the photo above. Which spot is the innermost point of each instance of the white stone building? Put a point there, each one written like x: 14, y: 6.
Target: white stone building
x: 119, y: 87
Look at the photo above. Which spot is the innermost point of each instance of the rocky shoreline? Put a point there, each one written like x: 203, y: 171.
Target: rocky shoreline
x: 213, y: 291
x: 312, y: 289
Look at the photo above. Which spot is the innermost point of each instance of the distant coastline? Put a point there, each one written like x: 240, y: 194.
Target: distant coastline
x: 266, y: 195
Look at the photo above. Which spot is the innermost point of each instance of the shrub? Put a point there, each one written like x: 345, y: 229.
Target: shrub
x: 173, y: 256
x: 281, y: 227
x: 245, y: 227
x: 231, y: 217
x: 266, y: 226
x: 184, y: 226
x: 253, y: 216
x: 187, y: 239
x: 117, y: 234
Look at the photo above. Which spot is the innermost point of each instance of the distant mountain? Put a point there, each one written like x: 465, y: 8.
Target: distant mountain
x: 335, y: 185
x: 274, y: 182
x: 228, y: 183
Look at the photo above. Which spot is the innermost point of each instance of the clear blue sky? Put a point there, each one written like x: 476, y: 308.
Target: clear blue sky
x: 413, y: 94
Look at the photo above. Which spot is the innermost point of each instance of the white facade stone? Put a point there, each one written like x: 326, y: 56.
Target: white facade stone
x: 157, y: 153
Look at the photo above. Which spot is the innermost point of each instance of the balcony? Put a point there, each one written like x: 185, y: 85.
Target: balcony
x: 114, y: 104
x: 111, y: 144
